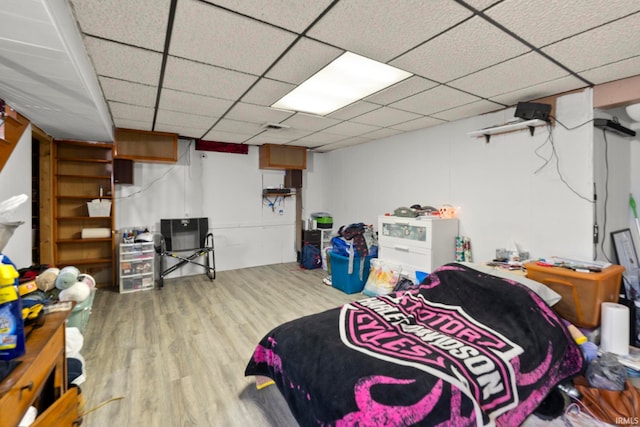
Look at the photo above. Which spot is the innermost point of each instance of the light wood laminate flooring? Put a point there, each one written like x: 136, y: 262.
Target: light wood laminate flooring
x: 177, y: 356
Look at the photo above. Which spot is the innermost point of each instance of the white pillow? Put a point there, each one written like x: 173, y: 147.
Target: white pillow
x: 549, y: 296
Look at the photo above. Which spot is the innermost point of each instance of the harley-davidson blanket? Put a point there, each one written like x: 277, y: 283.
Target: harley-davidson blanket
x: 465, y: 348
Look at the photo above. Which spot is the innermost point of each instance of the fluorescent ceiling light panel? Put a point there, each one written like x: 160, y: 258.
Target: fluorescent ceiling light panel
x: 348, y: 78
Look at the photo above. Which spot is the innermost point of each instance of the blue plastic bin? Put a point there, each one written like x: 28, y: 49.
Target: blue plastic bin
x: 340, y: 277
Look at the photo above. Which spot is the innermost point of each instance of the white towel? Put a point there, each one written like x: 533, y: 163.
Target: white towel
x: 95, y: 233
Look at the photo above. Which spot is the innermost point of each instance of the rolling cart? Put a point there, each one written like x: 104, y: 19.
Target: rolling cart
x: 207, y: 252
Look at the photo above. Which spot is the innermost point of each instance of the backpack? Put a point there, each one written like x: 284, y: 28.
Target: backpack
x: 310, y: 257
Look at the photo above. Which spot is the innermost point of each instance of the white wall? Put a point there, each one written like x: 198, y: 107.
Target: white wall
x: 224, y: 187
x: 15, y: 179
x: 501, y: 188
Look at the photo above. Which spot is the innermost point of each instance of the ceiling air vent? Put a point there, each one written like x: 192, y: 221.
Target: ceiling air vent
x: 275, y: 126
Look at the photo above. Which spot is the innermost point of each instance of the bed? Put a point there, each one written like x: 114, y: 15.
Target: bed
x: 464, y: 348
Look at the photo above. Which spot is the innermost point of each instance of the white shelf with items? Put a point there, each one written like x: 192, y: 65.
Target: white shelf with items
x: 136, y: 267
x: 509, y: 127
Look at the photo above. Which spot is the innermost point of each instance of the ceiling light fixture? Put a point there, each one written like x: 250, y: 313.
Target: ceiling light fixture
x: 348, y: 78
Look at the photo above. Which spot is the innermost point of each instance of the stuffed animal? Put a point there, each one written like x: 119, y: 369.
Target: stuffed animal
x: 46, y: 280
x: 68, y: 277
x: 78, y: 292
x: 89, y: 280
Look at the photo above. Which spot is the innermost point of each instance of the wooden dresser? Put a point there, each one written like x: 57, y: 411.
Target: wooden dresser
x: 41, y: 379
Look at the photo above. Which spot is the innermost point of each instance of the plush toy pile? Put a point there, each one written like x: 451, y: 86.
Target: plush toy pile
x: 66, y: 284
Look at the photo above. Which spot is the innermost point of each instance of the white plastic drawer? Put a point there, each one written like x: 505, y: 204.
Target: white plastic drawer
x: 136, y: 247
x: 138, y: 266
x: 401, y: 254
x: 397, y: 231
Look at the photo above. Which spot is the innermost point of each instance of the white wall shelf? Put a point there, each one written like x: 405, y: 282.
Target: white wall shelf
x: 510, y: 127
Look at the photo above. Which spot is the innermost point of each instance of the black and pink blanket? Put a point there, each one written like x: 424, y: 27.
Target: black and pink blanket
x: 465, y: 348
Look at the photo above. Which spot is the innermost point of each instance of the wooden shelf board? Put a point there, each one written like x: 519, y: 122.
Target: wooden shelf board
x: 101, y: 239
x: 83, y: 160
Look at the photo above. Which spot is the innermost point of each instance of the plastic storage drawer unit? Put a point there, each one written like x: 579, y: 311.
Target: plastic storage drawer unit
x: 582, y: 293
x: 340, y: 277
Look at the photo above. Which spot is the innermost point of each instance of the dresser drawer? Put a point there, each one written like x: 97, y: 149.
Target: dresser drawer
x: 62, y: 413
x: 33, y: 376
x: 410, y: 258
x: 404, y: 231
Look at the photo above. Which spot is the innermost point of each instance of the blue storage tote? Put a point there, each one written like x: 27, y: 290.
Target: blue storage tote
x: 340, y: 277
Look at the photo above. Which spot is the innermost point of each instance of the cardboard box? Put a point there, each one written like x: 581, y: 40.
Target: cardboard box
x: 582, y: 293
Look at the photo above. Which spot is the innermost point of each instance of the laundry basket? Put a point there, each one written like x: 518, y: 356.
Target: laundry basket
x: 98, y: 207
x: 79, y: 316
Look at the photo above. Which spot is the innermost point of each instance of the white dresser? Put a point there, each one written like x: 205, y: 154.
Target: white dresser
x: 422, y: 243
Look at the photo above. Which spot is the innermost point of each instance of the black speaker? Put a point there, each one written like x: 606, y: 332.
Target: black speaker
x: 533, y: 110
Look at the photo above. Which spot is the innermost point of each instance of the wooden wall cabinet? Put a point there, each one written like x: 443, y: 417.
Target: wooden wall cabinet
x: 146, y: 146
x: 82, y: 173
x: 273, y: 156
x: 122, y: 171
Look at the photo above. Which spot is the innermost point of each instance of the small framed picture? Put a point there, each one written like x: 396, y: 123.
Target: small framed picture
x: 625, y: 249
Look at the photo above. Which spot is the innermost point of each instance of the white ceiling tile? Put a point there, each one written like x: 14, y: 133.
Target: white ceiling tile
x: 351, y: 129
x: 542, y: 90
x: 132, y: 124
x: 617, y: 70
x: 123, y: 62
x: 460, y: 51
x: 302, y: 61
x: 348, y: 142
x: 433, y: 100
x: 267, y: 92
x: 309, y: 122
x: 524, y: 71
x: 183, y: 119
x: 468, y: 110
x: 383, y: 29
x: 294, y: 15
x: 139, y: 23
x: 612, y: 43
x: 128, y: 92
x: 422, y: 123
x: 401, y: 90
x: 382, y: 133
x: 183, y: 131
x: 222, y: 136
x: 186, y: 102
x: 256, y: 113
x: 194, y: 77
x: 192, y: 38
x: 131, y: 112
x: 386, y: 116
x: 353, y: 110
x: 481, y: 4
x: 320, y: 138
x: 557, y: 19
x: 235, y: 126
x: 268, y: 137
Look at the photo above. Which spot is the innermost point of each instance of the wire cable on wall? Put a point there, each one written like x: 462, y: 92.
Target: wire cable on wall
x: 606, y: 195
x: 554, y: 154
x: 167, y: 172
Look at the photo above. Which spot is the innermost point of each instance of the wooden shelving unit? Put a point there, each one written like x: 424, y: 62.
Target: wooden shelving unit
x: 83, y: 171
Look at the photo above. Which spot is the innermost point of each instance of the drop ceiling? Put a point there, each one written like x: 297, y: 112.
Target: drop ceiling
x: 211, y: 69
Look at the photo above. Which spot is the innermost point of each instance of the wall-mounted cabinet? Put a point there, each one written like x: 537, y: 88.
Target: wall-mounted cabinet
x: 82, y: 173
x: 146, y: 146
x: 274, y: 156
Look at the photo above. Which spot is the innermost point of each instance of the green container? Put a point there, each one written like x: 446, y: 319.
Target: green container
x: 79, y: 316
